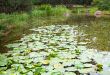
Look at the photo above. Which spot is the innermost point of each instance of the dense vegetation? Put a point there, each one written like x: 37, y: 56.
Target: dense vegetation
x: 56, y: 2
x: 68, y: 46
x: 26, y: 5
x: 9, y: 6
x: 102, y: 4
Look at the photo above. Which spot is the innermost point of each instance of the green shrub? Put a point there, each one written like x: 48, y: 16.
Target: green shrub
x: 36, y: 2
x: 23, y: 17
x: 102, y: 4
x: 38, y: 13
x: 19, y: 17
x: 9, y: 6
x: 48, y: 10
x: 16, y: 18
x: 45, y: 7
x: 59, y: 11
x: 2, y: 27
x: 4, y: 16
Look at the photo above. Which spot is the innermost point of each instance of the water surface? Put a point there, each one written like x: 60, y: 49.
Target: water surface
x: 93, y: 32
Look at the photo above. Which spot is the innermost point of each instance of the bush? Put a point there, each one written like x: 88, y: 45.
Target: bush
x: 41, y: 11
x: 102, y: 4
x: 57, y: 2
x: 35, y: 2
x: 48, y: 10
x: 9, y: 6
x: 17, y: 18
x: 38, y: 13
x: 2, y: 28
x: 45, y: 7
x: 60, y: 10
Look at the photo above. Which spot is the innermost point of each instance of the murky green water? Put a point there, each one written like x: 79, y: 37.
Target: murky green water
x: 93, y: 32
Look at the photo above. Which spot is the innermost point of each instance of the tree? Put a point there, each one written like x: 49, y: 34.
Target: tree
x: 54, y: 2
x: 9, y: 6
x: 102, y: 4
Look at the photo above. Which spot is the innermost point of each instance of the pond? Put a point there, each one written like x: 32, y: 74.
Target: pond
x: 69, y: 47
x: 92, y: 31
x: 53, y: 50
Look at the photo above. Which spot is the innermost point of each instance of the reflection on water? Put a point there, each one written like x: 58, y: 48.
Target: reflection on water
x: 94, y: 32
x: 98, y: 35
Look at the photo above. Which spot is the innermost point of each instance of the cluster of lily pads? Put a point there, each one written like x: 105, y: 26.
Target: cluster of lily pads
x: 53, y: 50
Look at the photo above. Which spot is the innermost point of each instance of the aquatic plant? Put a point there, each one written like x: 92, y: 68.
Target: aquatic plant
x: 52, y: 50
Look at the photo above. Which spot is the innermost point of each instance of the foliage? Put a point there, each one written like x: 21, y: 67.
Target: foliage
x: 56, y: 73
x: 35, y: 2
x: 48, y: 10
x: 2, y: 27
x: 51, y: 55
x: 9, y: 6
x: 102, y: 4
x: 82, y: 2
x: 99, y: 67
x: 41, y: 11
x: 60, y: 10
x: 95, y: 2
x: 45, y: 7
x: 105, y: 5
x: 57, y: 2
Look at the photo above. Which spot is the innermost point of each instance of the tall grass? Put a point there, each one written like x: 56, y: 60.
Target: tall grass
x: 40, y: 11
x: 48, y: 10
x: 60, y: 11
x: 83, y: 10
x: 20, y: 23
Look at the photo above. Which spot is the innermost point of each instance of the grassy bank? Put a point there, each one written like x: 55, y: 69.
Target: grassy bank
x: 81, y: 10
x: 22, y: 18
x: 12, y: 26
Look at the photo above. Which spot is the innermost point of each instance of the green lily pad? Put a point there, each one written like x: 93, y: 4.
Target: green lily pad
x: 3, y: 60
x: 56, y: 73
x: 69, y: 73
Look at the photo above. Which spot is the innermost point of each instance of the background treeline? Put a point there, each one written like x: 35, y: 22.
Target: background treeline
x: 15, y: 5
x: 102, y: 4
x: 9, y: 6
x: 55, y: 2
